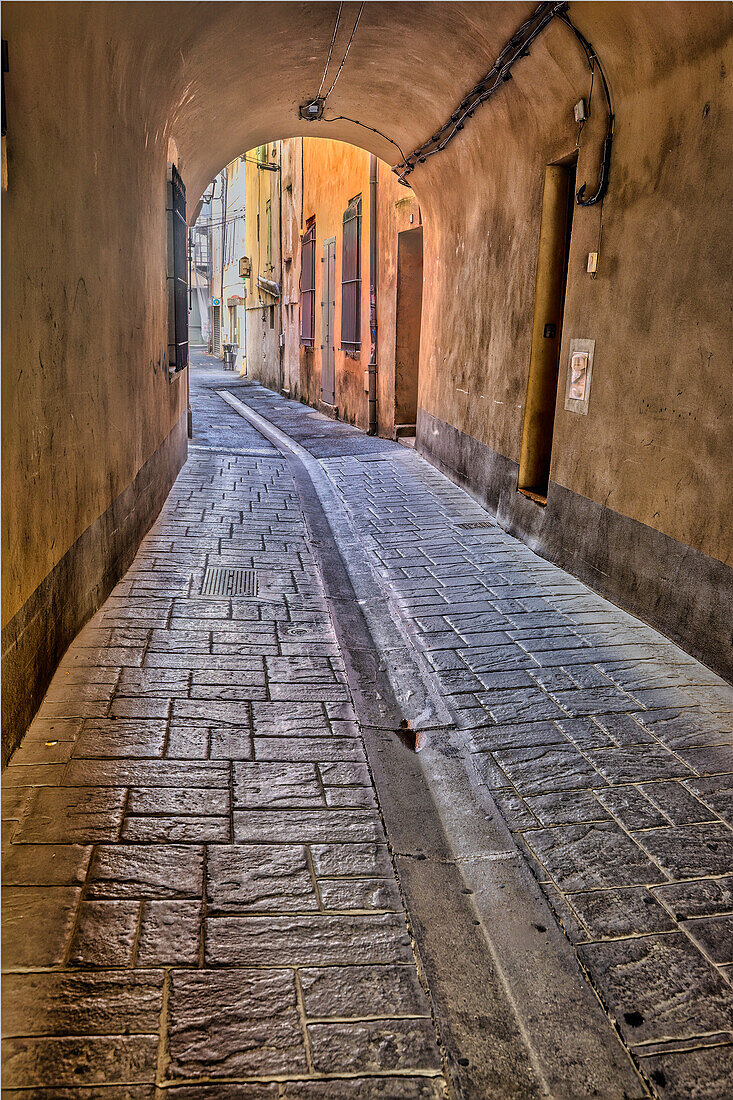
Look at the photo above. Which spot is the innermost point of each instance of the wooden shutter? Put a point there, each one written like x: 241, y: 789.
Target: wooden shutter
x: 351, y: 278
x: 308, y: 287
x: 177, y: 274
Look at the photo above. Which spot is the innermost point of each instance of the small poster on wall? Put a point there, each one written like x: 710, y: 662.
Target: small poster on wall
x: 580, y: 365
x: 578, y: 375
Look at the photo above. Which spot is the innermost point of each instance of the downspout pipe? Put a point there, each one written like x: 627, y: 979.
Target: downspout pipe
x: 373, y: 294
x: 224, y: 189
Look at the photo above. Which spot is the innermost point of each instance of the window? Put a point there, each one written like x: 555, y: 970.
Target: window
x: 233, y: 326
x: 176, y: 274
x: 351, y: 278
x: 308, y: 286
x: 268, y: 215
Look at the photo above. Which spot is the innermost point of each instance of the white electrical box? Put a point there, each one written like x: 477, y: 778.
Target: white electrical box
x: 580, y: 111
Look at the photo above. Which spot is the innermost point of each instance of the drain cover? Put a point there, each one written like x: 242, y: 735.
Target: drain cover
x: 480, y: 525
x: 220, y: 581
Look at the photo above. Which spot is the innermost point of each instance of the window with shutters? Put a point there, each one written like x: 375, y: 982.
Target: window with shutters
x: 308, y: 285
x: 177, y: 279
x: 351, y: 278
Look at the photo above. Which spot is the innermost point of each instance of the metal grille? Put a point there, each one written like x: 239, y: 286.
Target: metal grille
x: 220, y: 581
x: 480, y: 525
x: 351, y: 278
x: 308, y: 287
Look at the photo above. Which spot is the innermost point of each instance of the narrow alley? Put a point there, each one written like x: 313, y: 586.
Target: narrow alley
x: 345, y: 793
x: 367, y: 587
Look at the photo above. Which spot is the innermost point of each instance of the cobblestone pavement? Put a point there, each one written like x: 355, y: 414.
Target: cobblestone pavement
x: 198, y: 896
x: 196, y: 887
x: 607, y: 749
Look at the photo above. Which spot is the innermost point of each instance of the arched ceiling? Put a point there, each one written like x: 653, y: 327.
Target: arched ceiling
x: 223, y: 77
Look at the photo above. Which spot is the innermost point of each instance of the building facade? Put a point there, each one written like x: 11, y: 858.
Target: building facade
x: 261, y: 266
x: 348, y: 229
x: 216, y: 317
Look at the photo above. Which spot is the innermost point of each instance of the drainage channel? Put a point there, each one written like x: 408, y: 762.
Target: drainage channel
x: 504, y: 980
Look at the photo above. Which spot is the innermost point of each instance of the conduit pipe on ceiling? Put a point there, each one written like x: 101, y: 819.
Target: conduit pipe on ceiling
x: 372, y: 430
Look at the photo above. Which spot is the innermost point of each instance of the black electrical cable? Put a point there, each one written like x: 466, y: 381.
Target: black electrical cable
x: 593, y: 61
x: 517, y: 47
x: 500, y: 72
x: 330, y: 48
x: 346, y: 54
x: 345, y: 118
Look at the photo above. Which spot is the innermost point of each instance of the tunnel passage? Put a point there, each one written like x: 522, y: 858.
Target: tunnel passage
x: 638, y: 502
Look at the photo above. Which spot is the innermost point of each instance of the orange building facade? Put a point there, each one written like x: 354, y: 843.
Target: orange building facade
x: 331, y: 205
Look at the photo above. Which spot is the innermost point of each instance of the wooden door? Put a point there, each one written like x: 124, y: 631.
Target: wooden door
x: 328, y: 305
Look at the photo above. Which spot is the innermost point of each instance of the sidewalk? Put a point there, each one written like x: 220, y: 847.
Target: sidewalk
x: 200, y: 898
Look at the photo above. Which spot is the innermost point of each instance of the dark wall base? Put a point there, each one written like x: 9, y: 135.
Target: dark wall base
x: 679, y: 591
x: 38, y: 635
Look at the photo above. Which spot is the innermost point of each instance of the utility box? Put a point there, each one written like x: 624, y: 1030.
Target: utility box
x: 245, y: 267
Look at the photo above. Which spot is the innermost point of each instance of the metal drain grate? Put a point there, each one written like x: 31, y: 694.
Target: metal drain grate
x: 220, y: 581
x: 481, y: 524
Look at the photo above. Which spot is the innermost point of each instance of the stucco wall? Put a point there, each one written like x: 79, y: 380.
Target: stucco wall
x: 292, y: 211
x: 86, y: 399
x: 330, y: 175
x: 86, y: 395
x: 333, y: 174
x: 397, y: 210
x: 656, y: 443
x: 263, y: 309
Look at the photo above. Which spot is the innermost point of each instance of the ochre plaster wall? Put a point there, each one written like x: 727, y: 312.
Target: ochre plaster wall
x: 397, y: 210
x: 292, y: 203
x: 656, y: 443
x: 333, y: 174
x: 263, y: 309
x: 86, y: 397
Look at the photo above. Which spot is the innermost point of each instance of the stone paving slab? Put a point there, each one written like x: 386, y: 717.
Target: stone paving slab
x: 198, y: 896
x: 608, y: 750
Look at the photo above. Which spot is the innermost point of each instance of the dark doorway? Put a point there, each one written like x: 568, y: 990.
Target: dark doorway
x: 216, y: 330
x: 409, y: 314
x: 558, y: 200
